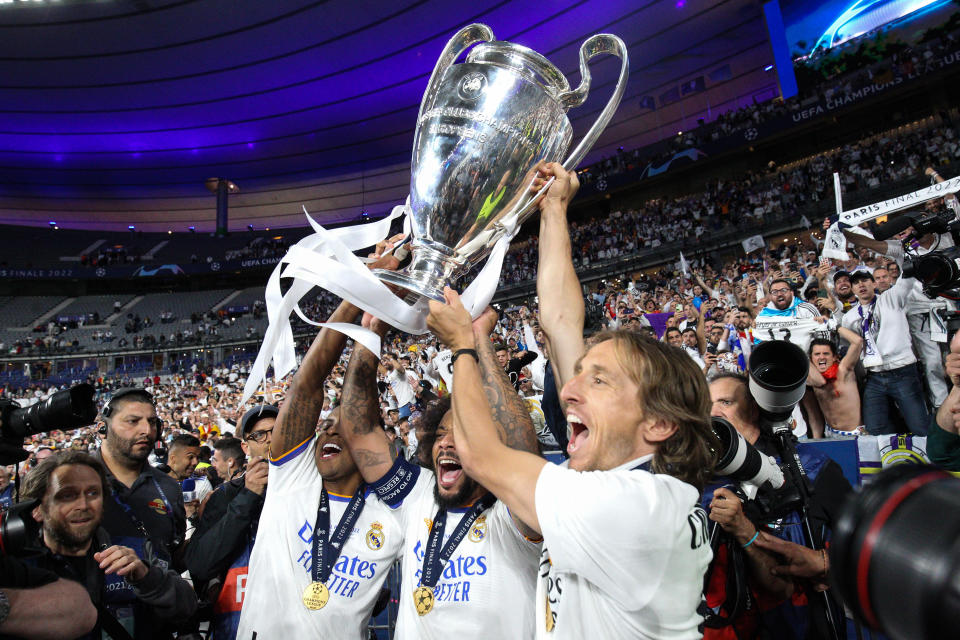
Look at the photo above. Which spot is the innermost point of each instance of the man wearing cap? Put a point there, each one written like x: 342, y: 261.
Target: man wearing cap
x: 219, y: 551
x: 145, y: 509
x: 888, y: 356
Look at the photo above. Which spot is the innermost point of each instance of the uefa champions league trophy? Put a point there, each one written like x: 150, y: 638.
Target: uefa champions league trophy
x: 484, y: 127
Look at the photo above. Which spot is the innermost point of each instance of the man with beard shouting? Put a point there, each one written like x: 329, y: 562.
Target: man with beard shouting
x: 469, y: 567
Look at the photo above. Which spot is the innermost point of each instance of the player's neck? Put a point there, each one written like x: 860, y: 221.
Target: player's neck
x: 471, y: 499
x: 345, y: 486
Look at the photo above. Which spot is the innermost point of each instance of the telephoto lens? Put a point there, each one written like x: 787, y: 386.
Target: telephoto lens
x: 778, y: 377
x: 895, y: 557
x: 741, y: 461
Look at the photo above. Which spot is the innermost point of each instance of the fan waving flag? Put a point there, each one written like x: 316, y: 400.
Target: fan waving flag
x: 753, y: 243
x: 684, y: 266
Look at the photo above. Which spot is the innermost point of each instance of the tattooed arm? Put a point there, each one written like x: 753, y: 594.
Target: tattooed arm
x: 510, y: 413
x: 509, y: 473
x: 360, y: 411
x: 300, y: 411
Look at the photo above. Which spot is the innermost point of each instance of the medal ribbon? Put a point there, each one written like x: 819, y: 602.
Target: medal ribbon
x: 433, y: 562
x: 327, y: 549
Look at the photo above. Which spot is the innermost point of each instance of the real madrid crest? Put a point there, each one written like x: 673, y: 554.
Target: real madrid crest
x: 375, y: 537
x: 429, y: 523
x: 478, y: 530
x: 472, y: 86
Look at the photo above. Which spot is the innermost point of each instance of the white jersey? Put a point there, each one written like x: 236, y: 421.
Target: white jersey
x: 611, y: 572
x: 280, y: 564
x: 799, y: 324
x: 487, y: 588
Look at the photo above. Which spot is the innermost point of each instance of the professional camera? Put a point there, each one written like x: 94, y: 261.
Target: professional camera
x: 895, y: 559
x: 939, y: 270
x: 740, y: 461
x: 19, y: 532
x: 778, y: 377
x: 67, y: 409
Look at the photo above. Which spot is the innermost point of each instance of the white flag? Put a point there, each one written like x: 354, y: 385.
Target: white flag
x: 804, y: 222
x: 753, y: 243
x: 684, y: 266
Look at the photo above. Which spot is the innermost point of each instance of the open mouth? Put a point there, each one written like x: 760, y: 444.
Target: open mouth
x: 448, y: 471
x: 577, y: 433
x: 330, y: 450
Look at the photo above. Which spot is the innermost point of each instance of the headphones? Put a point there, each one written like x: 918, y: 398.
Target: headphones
x: 120, y: 393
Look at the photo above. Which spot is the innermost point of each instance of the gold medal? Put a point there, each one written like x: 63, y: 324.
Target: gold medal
x: 423, y: 600
x: 315, y: 596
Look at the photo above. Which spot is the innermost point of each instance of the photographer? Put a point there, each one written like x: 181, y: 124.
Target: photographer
x: 228, y: 458
x: 219, y: 551
x: 803, y: 615
x: 145, y: 507
x: 132, y: 592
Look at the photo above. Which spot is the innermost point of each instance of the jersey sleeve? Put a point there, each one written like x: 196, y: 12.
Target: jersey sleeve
x: 611, y: 527
x: 895, y: 251
x: 294, y: 468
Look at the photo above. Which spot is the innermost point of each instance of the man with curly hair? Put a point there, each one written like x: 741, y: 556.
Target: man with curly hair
x: 468, y: 566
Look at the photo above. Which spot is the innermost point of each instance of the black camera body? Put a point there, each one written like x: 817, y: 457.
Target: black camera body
x: 67, y: 409
x: 939, y: 270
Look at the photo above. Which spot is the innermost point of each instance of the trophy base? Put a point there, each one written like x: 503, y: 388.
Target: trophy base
x: 418, y: 284
x: 425, y: 277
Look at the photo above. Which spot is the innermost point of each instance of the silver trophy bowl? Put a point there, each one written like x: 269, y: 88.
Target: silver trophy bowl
x: 485, y: 127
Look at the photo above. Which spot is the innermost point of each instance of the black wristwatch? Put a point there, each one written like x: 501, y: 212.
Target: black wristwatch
x: 4, y: 607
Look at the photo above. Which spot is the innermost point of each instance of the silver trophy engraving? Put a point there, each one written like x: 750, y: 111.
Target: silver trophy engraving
x: 484, y: 127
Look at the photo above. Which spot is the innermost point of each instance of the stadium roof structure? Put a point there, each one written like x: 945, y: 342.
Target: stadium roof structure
x: 115, y: 112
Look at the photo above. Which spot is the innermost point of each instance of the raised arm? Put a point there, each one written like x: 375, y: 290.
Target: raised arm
x: 558, y: 288
x: 510, y: 474
x: 704, y: 285
x: 701, y: 329
x: 510, y: 414
x: 852, y: 356
x: 300, y: 411
x: 860, y: 240
x: 360, y: 411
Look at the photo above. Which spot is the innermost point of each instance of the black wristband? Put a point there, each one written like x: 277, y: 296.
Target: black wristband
x: 460, y: 352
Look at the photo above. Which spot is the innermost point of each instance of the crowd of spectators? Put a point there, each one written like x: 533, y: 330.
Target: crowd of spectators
x: 781, y: 191
x: 834, y: 75
x: 867, y: 372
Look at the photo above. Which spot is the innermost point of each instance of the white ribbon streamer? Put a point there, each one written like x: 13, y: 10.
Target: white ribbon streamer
x: 326, y: 259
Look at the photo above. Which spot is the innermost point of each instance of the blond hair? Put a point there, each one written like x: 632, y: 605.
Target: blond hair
x: 670, y: 388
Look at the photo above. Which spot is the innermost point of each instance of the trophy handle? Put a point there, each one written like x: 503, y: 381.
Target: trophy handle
x: 463, y: 39
x: 594, y: 46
